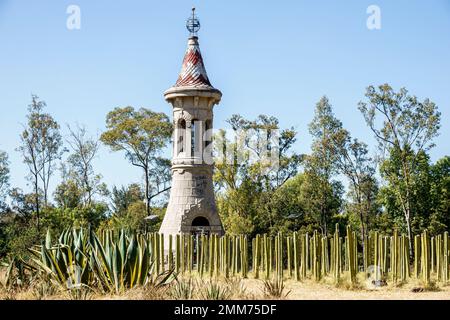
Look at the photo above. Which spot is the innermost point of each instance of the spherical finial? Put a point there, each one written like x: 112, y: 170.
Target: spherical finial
x: 193, y: 24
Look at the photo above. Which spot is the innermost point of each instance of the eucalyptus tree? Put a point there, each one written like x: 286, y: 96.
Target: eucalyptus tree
x: 41, y: 147
x: 84, y: 149
x: 141, y: 134
x: 405, y: 125
x: 359, y: 168
x: 321, y: 166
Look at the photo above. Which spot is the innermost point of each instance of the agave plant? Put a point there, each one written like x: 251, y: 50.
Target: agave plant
x: 183, y: 290
x: 214, y: 291
x: 275, y: 288
x: 82, y: 259
x: 122, y: 264
x: 236, y: 287
x: 67, y: 262
x: 18, y: 274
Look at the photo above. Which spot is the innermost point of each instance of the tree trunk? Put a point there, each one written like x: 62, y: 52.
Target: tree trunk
x: 324, y: 221
x: 407, y: 206
x: 45, y: 197
x: 364, y: 223
x: 36, y: 195
x: 408, y: 225
x: 88, y: 187
x: 147, y: 191
x: 363, y: 229
x: 44, y: 185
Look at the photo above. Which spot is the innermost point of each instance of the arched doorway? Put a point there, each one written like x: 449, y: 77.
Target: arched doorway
x: 200, y: 225
x: 200, y: 222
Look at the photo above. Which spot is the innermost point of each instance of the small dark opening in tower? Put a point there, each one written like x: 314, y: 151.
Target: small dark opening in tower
x: 200, y: 222
x: 208, y: 134
x: 194, y: 136
x: 181, y: 135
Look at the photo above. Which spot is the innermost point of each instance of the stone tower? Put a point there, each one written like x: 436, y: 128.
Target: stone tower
x: 192, y: 207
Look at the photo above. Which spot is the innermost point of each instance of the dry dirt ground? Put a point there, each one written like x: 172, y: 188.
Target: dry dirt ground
x: 309, y: 290
x: 254, y: 289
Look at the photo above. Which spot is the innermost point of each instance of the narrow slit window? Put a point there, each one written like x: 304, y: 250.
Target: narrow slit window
x: 208, y: 134
x: 193, y: 137
x: 181, y: 135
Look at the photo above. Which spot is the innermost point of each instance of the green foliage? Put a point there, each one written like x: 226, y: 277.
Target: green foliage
x: 20, y: 234
x: 123, y: 197
x: 19, y: 228
x: 129, y: 210
x: 132, y: 218
x: 58, y: 219
x: 246, y: 187
x: 440, y: 196
x: 236, y: 224
x: 68, y: 194
x: 428, y: 198
x: 141, y: 134
x: 322, y: 199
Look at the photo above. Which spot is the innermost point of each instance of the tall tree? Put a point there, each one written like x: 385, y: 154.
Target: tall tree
x: 4, y: 178
x: 141, y: 134
x: 359, y: 169
x: 408, y: 127
x: 83, y: 151
x: 322, y: 164
x: 41, y: 146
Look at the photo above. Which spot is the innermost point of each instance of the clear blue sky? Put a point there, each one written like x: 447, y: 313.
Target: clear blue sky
x: 272, y: 57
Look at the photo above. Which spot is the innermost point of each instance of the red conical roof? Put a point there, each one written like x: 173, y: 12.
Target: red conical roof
x: 193, y: 72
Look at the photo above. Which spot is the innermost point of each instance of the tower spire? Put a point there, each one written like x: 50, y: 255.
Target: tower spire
x: 193, y: 73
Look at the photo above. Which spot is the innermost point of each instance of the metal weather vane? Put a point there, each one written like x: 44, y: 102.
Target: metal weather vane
x: 193, y: 24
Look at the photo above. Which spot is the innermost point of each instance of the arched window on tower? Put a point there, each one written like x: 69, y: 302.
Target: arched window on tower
x: 181, y: 135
